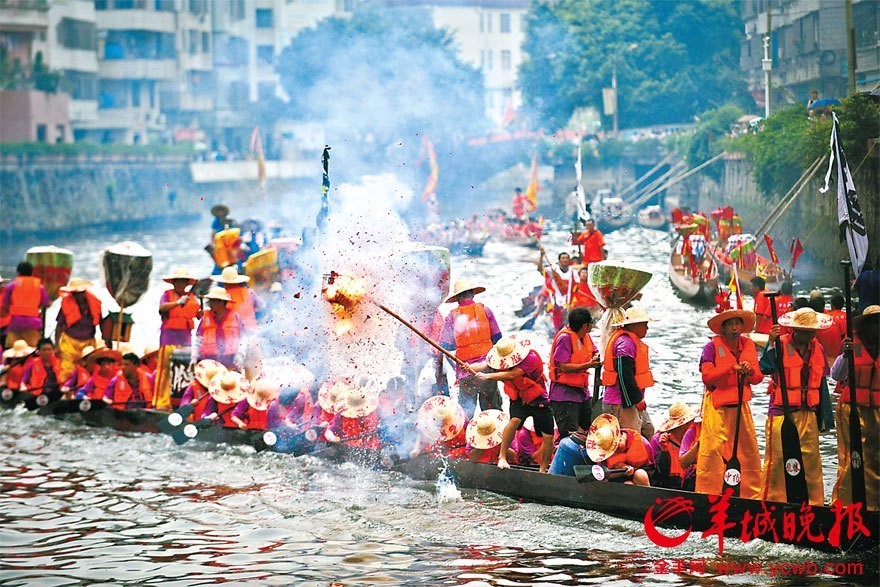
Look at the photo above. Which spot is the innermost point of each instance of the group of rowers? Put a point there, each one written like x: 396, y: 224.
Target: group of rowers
x: 547, y: 423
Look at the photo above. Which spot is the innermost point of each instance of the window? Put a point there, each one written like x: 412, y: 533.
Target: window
x: 489, y: 22
x: 265, y: 54
x: 505, y: 60
x: 505, y: 23
x: 77, y: 34
x: 194, y: 41
x: 236, y: 9
x: 41, y: 133
x: 59, y: 133
x: 80, y: 85
x: 266, y: 91
x: 198, y: 6
x: 206, y: 43
x: 238, y: 95
x: 264, y: 18
x: 164, y: 5
x: 136, y: 94
x: 349, y: 5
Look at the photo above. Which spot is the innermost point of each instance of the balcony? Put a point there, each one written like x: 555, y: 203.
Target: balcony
x: 151, y: 69
x: 124, y: 118
x: 143, y: 20
x: 24, y: 15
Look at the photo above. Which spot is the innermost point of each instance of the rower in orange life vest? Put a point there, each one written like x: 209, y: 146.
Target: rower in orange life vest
x: 106, y: 368
x: 626, y: 372
x: 582, y: 296
x: 77, y: 323
x: 669, y: 470
x: 14, y: 360
x: 42, y: 373
x: 593, y: 242
x: 572, y: 355
x: 563, y: 280
x: 197, y: 391
x: 131, y: 388
x: 248, y: 306
x: 519, y: 367
x: 221, y: 335
x: 622, y: 451
x: 762, y: 306
x: 251, y: 412
x: 804, y: 368
x: 82, y: 372
x: 22, y: 303
x: 866, y: 356
x: 729, y: 355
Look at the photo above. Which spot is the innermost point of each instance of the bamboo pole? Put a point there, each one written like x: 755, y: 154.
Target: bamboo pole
x: 641, y: 200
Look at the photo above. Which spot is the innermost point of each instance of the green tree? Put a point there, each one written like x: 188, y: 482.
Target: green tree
x: 673, y: 59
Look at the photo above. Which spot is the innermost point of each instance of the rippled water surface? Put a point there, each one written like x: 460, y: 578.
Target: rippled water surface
x: 95, y: 506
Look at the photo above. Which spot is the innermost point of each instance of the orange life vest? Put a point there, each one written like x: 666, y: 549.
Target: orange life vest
x: 13, y: 376
x: 123, y: 392
x: 256, y: 419
x: 582, y: 351
x: 352, y: 427
x: 201, y: 397
x: 210, y: 344
x: 38, y: 375
x: 472, y: 331
x: 725, y: 392
x: 644, y: 377
x: 243, y: 305
x: 529, y: 386
x: 867, y: 378
x: 631, y: 451
x: 100, y: 384
x: 181, y: 317
x: 224, y: 413
x: 762, y: 311
x: 26, y: 297
x: 800, y: 393
x: 82, y: 377
x: 71, y: 311
x: 675, y: 469
x: 227, y: 247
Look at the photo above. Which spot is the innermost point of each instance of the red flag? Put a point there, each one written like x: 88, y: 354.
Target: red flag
x: 533, y: 187
x: 796, y: 249
x: 769, y: 242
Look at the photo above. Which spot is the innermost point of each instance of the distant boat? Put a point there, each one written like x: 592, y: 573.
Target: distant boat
x: 697, y: 289
x: 749, y: 266
x: 610, y: 212
x: 652, y: 217
x: 470, y: 247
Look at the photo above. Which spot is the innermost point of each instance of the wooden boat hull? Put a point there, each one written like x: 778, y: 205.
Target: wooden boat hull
x: 773, y: 274
x: 700, y: 291
x: 607, y: 223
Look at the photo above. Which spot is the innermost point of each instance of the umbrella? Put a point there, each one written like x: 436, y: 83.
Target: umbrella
x: 824, y: 103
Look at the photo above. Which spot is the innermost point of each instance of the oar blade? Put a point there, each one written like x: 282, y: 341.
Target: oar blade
x: 176, y: 419
x: 793, y: 463
x: 733, y: 476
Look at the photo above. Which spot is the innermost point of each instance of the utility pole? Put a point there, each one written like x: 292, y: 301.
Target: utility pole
x: 767, y: 62
x: 614, y: 92
x: 850, y: 48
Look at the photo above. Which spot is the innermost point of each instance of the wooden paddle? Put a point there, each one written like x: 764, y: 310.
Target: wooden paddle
x: 857, y: 461
x: 424, y: 337
x: 596, y: 401
x: 793, y: 460
x: 732, y: 468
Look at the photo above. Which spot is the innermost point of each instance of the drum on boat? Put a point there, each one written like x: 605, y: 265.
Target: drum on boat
x: 262, y: 267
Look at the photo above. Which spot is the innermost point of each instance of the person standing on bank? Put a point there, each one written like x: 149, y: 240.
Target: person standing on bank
x: 23, y: 302
x: 727, y: 357
x: 626, y: 372
x: 470, y: 330
x: 572, y: 355
x: 804, y: 368
x: 77, y: 323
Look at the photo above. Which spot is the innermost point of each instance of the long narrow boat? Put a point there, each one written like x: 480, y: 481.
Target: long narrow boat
x: 823, y: 528
x: 697, y: 289
x: 610, y: 212
x: 652, y: 217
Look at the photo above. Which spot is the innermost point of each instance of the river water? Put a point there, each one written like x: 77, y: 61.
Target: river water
x: 95, y: 506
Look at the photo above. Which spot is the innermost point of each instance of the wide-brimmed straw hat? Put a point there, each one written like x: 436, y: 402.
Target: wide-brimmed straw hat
x: 207, y: 369
x: 18, y: 350
x: 358, y: 402
x: 633, y: 315
x: 179, y: 274
x: 806, y: 319
x: 486, y: 429
x: 220, y: 210
x: 871, y: 312
x: 679, y: 414
x: 602, y: 438
x: 102, y: 353
x: 263, y: 392
x: 230, y: 276
x: 717, y: 321
x: 218, y: 293
x: 86, y: 351
x: 462, y: 286
x: 509, y: 352
x: 440, y: 417
x: 276, y: 287
x: 76, y: 284
x: 229, y: 387
x: 330, y: 393
x: 149, y: 350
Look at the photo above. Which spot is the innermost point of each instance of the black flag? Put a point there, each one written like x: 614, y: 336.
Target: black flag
x: 325, y: 188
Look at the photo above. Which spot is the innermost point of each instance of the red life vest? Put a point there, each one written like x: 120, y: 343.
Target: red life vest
x: 210, y: 343
x: 762, y: 311
x: 181, y: 317
x: 725, y: 392
x: 644, y: 377
x: 631, y: 451
x: 72, y: 314
x: 800, y: 393
x: 36, y: 381
x: 472, y: 331
x: 82, y: 377
x: 489, y: 455
x: 352, y: 427
x: 123, y: 392
x: 867, y: 378
x: 224, y: 413
x: 256, y: 419
x: 201, y: 397
x: 582, y: 351
x: 13, y: 376
x: 529, y: 386
x: 243, y: 305
x: 26, y: 297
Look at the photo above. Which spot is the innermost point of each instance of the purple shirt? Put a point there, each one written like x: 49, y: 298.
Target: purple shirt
x: 560, y: 392
x: 136, y: 395
x: 169, y: 336
x: 25, y: 322
x: 524, y: 446
x: 530, y: 364
x: 690, y: 437
x: 624, y: 346
x: 240, y: 409
x: 447, y: 336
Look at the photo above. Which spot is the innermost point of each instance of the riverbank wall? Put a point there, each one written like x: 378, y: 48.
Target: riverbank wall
x: 812, y: 217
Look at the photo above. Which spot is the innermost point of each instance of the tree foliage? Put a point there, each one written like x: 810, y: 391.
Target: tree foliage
x: 379, y: 77
x: 673, y: 59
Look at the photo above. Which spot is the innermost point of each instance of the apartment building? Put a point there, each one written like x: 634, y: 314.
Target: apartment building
x: 489, y: 35
x: 808, y: 47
